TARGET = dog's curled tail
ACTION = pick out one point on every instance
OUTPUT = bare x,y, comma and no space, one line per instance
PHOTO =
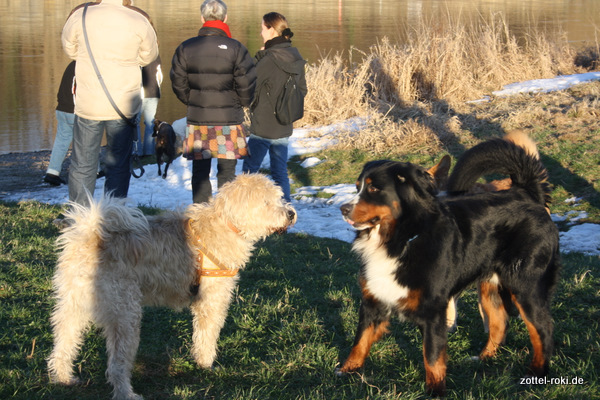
96,223
502,156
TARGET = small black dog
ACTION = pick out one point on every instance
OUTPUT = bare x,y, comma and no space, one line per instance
165,144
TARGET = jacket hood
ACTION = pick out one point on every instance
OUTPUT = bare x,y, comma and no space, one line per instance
295,67
288,58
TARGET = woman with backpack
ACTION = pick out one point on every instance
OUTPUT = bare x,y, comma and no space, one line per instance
278,100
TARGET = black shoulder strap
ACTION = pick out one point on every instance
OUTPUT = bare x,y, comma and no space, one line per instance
130,121
89,49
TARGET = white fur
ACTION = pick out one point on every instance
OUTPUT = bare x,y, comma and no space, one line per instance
380,269
495,279
354,200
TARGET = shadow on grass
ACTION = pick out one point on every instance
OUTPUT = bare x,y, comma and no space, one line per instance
292,319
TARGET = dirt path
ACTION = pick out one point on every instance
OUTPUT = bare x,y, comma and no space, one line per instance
22,172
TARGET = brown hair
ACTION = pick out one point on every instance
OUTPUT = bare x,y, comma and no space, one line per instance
279,23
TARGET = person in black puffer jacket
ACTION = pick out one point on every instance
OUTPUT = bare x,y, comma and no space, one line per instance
274,63
215,77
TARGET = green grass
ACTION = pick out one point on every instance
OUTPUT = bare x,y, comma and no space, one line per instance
292,321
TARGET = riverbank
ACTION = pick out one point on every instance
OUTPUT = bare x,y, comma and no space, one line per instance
24,172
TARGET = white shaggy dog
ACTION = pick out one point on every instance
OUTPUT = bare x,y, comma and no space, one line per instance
114,260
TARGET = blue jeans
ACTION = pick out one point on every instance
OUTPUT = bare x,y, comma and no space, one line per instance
146,147
62,141
278,153
87,136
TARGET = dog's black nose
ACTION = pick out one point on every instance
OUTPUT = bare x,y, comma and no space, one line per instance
346,208
291,215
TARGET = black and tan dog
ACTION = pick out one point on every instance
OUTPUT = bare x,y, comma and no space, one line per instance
165,145
419,251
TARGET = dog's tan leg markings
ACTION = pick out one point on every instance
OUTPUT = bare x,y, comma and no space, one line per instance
361,349
538,364
451,314
209,311
496,317
435,372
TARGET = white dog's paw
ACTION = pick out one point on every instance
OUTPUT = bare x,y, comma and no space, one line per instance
205,359
205,364
66,381
127,396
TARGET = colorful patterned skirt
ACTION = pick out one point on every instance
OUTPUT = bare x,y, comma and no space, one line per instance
204,142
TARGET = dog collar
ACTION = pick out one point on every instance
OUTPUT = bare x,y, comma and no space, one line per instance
231,226
234,228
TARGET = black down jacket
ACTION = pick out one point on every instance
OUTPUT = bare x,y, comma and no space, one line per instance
269,84
214,76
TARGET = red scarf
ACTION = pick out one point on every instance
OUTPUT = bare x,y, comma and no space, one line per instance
219,25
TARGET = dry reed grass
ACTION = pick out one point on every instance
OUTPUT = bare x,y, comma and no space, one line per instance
457,62
408,92
382,134
563,110
336,91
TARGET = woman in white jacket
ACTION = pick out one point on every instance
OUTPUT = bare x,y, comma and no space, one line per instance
122,40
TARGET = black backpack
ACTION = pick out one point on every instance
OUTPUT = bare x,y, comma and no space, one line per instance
289,106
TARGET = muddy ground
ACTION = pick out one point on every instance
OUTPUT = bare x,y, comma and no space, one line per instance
22,172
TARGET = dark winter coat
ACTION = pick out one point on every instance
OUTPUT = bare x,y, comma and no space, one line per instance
151,79
66,90
269,84
214,76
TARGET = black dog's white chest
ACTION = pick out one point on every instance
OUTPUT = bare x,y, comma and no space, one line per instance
380,270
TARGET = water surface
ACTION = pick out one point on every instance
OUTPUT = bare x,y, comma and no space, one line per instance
32,60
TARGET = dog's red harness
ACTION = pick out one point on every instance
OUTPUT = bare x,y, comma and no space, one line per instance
207,264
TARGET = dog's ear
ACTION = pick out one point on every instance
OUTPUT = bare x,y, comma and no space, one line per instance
440,172
427,182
